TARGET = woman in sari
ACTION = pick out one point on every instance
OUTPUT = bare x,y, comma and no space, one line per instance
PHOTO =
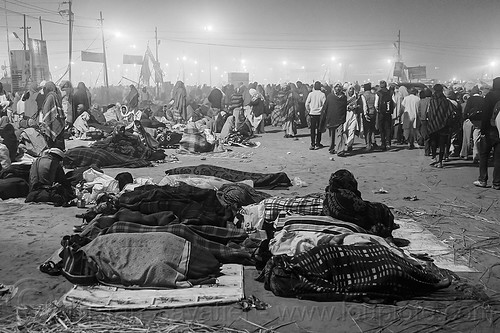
81,96
132,99
52,119
351,121
290,111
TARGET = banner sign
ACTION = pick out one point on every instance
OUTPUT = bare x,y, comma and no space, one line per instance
418,72
129,59
39,60
92,56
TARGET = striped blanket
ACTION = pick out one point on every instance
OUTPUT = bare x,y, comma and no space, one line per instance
311,204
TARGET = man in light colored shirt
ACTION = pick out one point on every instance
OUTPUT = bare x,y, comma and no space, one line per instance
314,104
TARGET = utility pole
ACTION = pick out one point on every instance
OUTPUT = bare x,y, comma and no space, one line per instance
104,56
41,30
70,37
157,83
399,45
25,28
7,26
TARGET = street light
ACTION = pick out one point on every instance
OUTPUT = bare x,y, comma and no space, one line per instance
15,35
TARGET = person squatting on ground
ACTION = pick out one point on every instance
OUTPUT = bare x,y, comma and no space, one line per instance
490,138
314,104
48,183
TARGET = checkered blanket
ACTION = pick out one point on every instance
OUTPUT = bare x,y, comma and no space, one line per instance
350,273
86,156
311,204
190,204
223,243
260,180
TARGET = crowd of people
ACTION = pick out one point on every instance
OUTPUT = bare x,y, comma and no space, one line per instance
444,121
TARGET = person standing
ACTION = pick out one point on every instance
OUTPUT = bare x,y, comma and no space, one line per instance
351,123
439,118
314,103
423,106
52,117
473,110
409,107
81,96
490,139
334,113
384,105
398,97
369,114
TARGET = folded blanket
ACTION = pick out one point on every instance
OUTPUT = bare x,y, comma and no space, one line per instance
261,180
311,204
86,156
153,260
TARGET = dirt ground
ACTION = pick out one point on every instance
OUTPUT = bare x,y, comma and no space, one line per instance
448,205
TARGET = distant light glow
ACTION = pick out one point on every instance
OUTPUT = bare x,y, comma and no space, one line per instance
493,63
333,58
216,68
184,58
118,34
208,27
284,62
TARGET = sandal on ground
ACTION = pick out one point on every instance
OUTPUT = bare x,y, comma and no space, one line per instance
51,268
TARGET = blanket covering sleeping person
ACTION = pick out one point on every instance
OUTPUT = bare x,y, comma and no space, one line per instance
190,204
361,272
87,156
150,260
260,180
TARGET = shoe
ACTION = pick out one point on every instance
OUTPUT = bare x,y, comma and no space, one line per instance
433,162
479,183
496,187
332,152
312,148
384,148
319,146
342,154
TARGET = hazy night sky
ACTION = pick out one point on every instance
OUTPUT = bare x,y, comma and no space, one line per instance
274,40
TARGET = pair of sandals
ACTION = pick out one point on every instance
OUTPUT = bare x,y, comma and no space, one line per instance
51,268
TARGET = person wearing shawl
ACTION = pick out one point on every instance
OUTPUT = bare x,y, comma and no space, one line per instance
438,124
81,126
303,92
67,101
343,201
52,117
333,117
351,123
179,96
30,106
369,115
398,97
409,107
132,99
290,110
81,96
256,113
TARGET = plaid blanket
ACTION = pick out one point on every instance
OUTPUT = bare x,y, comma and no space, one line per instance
260,180
350,273
195,141
311,204
223,243
326,224
85,156
190,204
150,260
